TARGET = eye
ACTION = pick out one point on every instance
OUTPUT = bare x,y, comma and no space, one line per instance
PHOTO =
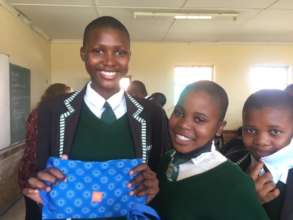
198,119
178,113
249,130
275,132
98,51
120,53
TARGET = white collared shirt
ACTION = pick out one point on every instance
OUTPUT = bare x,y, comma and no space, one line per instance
95,102
200,164
279,163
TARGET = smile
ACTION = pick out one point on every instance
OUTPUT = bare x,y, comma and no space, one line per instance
182,138
108,75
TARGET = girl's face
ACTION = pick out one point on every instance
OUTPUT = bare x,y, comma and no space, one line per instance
267,130
195,122
106,56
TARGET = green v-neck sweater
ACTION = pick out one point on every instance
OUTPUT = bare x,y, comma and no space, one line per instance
96,140
222,193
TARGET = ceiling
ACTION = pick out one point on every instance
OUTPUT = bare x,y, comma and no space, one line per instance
257,21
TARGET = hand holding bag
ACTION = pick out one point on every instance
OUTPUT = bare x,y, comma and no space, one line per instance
94,190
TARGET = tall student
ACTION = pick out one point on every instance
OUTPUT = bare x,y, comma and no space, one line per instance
267,135
196,181
102,122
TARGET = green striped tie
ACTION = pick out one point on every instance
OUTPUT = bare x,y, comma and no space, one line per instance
108,115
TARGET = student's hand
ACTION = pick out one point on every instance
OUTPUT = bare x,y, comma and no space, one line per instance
265,188
42,181
146,182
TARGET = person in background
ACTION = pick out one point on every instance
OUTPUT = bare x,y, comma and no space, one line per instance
158,98
235,150
27,166
196,181
137,89
101,122
289,89
267,135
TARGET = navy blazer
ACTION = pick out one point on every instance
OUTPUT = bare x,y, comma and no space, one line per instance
58,120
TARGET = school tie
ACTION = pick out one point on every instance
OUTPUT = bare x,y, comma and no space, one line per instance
108,115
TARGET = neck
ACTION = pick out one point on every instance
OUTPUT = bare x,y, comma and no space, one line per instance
205,148
106,94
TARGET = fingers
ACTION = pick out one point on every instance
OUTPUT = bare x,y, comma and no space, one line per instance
33,194
146,182
45,178
265,188
255,170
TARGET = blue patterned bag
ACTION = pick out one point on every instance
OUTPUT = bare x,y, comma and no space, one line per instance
94,190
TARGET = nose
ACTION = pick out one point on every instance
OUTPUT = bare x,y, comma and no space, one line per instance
261,139
184,123
109,59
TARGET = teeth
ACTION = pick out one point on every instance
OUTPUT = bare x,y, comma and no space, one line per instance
108,73
182,138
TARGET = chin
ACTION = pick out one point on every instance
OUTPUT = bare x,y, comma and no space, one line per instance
183,149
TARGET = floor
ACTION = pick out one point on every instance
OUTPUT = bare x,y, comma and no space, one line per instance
16,212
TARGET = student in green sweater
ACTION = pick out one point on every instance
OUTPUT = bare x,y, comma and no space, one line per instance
196,181
267,135
101,122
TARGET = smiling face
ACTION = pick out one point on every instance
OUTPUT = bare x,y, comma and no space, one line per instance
195,121
267,130
106,56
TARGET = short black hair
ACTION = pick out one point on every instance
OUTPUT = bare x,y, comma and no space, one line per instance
158,98
137,88
104,22
274,98
213,89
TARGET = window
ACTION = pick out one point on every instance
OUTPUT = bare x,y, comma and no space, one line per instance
269,77
186,75
124,82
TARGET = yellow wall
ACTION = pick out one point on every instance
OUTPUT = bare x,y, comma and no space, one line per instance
153,63
27,49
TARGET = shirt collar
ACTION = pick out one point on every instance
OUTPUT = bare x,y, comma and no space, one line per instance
96,102
279,163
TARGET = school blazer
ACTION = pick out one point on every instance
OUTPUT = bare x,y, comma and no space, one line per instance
58,121
287,209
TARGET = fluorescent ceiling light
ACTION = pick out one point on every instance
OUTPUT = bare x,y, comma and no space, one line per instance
194,15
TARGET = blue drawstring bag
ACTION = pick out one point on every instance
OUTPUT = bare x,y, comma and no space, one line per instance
94,190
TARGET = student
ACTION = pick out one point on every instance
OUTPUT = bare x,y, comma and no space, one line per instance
158,98
137,89
267,135
196,181
27,165
289,89
77,127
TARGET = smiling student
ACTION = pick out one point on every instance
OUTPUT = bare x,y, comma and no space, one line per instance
267,135
101,122
196,181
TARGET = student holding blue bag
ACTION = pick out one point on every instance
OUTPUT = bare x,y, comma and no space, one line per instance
100,123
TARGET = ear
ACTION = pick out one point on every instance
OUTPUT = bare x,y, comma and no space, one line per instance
82,53
221,127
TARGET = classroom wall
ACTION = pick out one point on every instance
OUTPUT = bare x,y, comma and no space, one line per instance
25,48
153,63
28,49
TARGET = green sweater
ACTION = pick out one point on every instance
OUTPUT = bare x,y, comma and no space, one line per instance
222,193
98,141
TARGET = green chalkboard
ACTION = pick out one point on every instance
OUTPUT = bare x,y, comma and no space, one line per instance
19,101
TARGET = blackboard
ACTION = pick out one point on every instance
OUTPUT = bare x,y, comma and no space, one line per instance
19,82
